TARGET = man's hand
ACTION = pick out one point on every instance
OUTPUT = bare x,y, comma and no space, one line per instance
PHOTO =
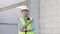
28,22
29,30
22,30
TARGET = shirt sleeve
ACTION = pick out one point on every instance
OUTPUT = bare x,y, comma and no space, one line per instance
19,24
33,26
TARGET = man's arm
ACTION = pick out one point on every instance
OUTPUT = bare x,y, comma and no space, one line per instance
33,26
20,26
23,26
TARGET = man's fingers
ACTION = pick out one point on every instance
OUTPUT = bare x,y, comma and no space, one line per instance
28,21
22,30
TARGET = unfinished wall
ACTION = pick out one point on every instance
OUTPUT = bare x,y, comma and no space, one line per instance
49,16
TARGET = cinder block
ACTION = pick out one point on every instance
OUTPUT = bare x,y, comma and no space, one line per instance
51,25
45,20
58,12
49,31
43,30
55,30
50,13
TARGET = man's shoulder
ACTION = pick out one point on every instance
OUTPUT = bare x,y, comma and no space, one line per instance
19,18
32,17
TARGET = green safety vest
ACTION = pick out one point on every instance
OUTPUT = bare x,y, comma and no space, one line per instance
22,21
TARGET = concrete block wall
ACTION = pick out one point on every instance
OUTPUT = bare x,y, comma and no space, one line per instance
47,17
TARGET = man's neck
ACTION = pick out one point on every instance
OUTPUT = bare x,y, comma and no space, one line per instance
25,16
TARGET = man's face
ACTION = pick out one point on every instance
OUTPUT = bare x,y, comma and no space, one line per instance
25,13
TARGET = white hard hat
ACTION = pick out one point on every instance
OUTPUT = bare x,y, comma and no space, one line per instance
24,8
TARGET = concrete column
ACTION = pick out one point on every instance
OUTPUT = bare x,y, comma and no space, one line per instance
34,6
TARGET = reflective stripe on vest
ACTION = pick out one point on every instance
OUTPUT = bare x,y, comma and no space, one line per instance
22,21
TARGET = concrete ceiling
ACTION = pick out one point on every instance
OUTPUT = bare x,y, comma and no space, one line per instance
4,3
9,4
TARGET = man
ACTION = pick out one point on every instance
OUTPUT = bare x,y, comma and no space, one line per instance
25,23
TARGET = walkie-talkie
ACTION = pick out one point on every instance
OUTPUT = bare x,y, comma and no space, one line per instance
26,26
28,18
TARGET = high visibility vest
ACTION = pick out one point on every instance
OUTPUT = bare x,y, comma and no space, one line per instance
22,21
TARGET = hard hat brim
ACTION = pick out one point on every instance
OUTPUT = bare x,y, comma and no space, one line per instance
25,10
